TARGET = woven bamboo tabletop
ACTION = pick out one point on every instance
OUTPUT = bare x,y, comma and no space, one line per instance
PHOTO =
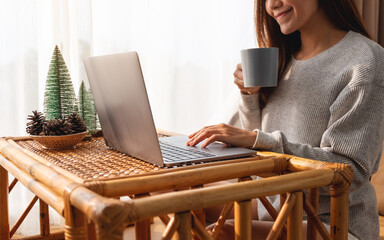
93,160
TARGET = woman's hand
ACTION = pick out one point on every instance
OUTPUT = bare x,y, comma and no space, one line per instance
224,133
238,74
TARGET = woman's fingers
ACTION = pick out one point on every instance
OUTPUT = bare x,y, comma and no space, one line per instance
247,90
198,132
238,73
210,133
224,133
203,134
193,138
239,67
211,139
239,83
193,134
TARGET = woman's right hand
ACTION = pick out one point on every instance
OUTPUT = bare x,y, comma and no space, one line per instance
238,74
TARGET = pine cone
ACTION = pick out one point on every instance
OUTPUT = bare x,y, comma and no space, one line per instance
35,126
56,127
76,123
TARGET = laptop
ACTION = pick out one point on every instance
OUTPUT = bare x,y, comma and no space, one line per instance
125,116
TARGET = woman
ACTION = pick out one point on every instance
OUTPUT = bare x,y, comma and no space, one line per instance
328,104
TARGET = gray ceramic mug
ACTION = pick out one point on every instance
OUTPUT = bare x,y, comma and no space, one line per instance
260,67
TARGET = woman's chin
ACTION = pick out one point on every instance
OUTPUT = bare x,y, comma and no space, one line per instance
287,30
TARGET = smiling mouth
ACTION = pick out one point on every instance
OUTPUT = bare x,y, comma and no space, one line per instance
282,14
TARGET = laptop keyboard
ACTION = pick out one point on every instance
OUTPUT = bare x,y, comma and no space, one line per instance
172,153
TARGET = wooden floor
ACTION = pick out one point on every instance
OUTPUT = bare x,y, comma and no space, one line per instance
157,228
53,230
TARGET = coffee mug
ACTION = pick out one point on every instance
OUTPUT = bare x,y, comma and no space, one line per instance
260,67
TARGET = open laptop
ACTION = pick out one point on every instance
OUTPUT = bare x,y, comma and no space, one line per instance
126,119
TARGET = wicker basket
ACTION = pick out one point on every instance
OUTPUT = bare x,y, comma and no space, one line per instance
60,142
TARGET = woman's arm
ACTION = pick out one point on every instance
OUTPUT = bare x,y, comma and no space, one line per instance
354,135
250,112
249,109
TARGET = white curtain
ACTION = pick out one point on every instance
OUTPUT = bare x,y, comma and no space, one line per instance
188,51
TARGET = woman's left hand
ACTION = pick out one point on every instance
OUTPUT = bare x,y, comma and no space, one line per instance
224,133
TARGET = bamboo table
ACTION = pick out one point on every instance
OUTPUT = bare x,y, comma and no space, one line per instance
83,185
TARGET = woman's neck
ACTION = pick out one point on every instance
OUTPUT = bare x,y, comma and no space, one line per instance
317,37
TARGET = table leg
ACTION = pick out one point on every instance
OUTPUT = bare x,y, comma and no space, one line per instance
75,223
339,215
91,228
4,217
313,195
243,220
283,235
143,227
199,213
185,226
44,218
295,219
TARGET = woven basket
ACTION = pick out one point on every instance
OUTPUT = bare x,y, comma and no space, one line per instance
60,142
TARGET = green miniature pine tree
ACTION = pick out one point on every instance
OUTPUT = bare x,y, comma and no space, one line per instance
59,97
95,116
86,110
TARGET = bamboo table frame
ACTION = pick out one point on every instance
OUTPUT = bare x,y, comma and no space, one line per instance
79,201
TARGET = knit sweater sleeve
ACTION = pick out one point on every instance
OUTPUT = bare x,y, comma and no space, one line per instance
250,112
355,129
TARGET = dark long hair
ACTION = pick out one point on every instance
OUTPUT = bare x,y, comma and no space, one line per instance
342,13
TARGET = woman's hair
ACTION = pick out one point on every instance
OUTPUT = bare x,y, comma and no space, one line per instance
342,13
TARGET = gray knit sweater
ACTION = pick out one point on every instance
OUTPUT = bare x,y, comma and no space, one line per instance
330,108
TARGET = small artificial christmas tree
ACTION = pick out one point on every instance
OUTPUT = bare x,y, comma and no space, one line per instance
96,116
87,108
59,97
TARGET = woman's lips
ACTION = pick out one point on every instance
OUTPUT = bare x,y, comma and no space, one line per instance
282,13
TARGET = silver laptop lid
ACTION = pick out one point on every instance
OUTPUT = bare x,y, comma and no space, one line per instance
121,100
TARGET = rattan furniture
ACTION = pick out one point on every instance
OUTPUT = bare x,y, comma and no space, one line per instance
84,185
